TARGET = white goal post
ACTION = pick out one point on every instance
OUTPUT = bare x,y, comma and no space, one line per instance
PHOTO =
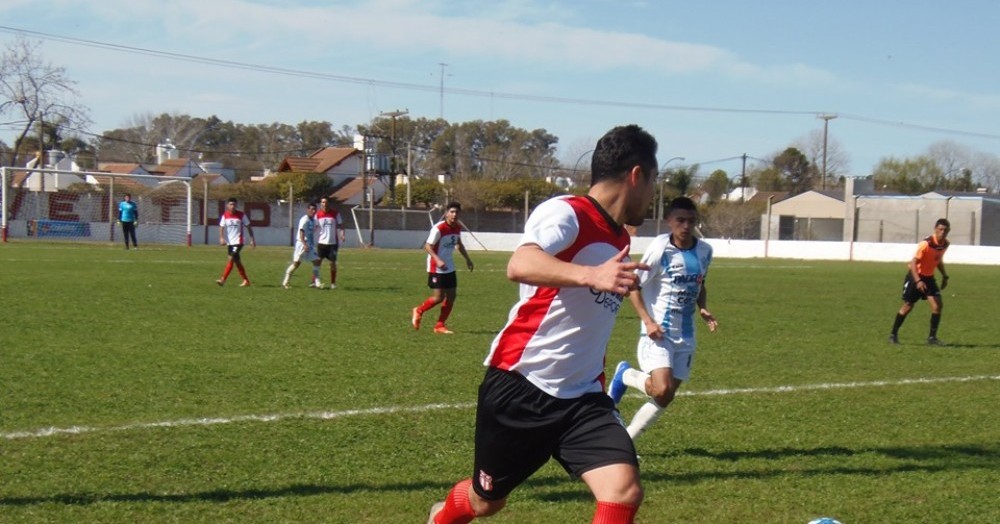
53,204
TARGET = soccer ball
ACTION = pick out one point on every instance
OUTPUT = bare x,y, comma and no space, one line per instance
824,520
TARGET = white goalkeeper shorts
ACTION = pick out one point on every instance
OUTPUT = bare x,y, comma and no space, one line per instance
664,353
303,253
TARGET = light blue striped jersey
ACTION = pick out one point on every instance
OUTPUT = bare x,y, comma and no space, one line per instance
671,286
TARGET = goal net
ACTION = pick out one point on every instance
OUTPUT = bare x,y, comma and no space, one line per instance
51,204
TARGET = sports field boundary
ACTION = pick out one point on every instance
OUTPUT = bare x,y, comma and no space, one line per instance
392,410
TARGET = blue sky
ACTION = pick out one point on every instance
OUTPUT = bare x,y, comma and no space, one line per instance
711,80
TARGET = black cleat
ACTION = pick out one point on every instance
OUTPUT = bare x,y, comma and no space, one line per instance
933,341
894,340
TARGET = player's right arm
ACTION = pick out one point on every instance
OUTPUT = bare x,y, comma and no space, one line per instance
915,275
653,329
531,265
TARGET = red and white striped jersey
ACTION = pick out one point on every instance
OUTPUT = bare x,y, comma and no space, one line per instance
557,337
443,240
234,224
327,223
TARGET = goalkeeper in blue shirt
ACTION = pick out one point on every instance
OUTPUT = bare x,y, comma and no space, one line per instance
128,214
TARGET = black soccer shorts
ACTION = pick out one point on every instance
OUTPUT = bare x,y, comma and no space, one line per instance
910,292
519,428
327,251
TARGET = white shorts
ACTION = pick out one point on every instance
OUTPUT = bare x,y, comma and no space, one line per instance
302,252
658,354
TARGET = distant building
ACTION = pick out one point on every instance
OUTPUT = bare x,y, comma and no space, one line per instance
861,214
37,181
343,166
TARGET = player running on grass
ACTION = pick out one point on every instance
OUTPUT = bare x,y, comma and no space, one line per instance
543,393
670,292
444,238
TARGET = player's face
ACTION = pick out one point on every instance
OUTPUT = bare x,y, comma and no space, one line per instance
322,204
640,196
681,223
451,216
230,206
311,211
941,232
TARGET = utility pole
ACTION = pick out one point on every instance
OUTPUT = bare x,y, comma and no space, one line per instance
392,145
743,180
826,124
443,65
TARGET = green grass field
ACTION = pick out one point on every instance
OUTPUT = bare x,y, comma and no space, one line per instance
132,389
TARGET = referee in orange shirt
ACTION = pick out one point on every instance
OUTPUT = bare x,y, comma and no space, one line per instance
920,284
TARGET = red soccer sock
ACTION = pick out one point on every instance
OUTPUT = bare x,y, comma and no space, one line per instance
229,269
243,272
457,509
429,303
614,513
445,312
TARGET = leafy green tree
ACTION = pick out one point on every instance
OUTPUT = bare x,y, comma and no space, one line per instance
716,185
909,176
305,186
426,191
795,168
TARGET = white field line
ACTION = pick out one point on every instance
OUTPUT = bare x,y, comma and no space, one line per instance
331,415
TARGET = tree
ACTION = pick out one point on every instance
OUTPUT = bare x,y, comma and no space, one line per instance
908,176
716,185
680,179
732,220
837,161
38,92
795,168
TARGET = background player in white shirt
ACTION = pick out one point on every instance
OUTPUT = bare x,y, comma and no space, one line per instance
329,235
305,247
669,294
232,226
543,394
445,237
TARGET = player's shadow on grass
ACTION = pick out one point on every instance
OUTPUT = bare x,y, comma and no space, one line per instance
222,496
958,345
926,459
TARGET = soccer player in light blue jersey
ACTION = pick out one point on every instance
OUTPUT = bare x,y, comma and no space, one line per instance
305,248
670,292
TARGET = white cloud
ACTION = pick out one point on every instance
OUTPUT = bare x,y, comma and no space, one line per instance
513,31
936,94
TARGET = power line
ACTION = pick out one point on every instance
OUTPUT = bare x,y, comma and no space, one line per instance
441,89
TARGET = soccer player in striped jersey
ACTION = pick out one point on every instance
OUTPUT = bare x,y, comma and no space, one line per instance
305,247
543,393
919,283
445,237
670,292
234,228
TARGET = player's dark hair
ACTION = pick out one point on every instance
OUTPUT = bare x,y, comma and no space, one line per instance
312,204
621,149
683,202
943,222
231,199
128,195
454,205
